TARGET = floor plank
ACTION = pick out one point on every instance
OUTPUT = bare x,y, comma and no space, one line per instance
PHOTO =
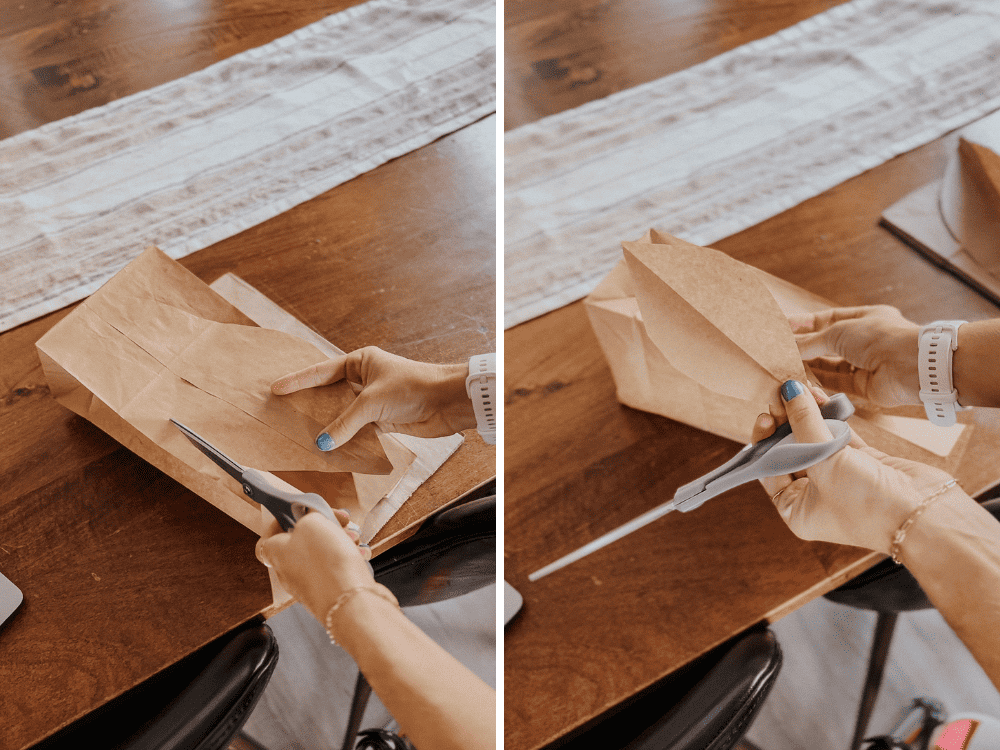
306,704
815,699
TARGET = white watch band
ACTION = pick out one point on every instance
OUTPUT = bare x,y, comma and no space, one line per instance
934,357
481,385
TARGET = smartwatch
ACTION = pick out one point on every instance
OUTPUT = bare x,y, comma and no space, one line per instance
937,342
481,385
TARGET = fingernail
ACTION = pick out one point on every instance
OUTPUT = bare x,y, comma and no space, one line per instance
790,389
325,443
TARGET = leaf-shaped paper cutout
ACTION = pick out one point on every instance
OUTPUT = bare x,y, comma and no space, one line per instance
713,317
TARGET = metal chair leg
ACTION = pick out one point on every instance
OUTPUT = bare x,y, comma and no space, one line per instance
884,627
362,692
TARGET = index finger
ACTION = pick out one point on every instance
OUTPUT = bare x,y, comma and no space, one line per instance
823,319
321,373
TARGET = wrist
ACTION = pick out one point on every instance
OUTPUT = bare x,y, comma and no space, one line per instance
354,611
942,517
461,415
905,345
974,364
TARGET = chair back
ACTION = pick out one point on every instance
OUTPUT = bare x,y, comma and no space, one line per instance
200,703
707,705
453,553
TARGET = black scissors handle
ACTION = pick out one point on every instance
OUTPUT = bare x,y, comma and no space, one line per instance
287,506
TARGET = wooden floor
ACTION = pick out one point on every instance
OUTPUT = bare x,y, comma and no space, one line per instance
306,703
815,699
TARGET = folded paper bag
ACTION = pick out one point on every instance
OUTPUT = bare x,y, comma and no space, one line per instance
156,343
696,336
689,333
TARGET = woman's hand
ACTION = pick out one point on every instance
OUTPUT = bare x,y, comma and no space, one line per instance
397,394
317,560
874,352
859,496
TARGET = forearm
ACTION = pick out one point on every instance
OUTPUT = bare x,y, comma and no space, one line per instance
437,701
976,364
953,550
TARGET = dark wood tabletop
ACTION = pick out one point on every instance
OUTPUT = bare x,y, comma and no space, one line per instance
598,632
123,570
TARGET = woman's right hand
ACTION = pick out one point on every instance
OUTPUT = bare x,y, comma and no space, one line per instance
862,351
317,560
859,496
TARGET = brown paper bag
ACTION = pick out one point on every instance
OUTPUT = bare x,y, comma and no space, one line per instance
155,343
696,336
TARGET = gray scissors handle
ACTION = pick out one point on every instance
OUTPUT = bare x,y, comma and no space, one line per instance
285,505
784,457
773,456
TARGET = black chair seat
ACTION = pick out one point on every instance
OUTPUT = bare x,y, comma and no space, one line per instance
200,703
709,705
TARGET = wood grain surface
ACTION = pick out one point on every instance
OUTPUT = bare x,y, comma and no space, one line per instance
599,631
123,570
564,53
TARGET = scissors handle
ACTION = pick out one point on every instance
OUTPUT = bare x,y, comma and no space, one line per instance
285,503
774,455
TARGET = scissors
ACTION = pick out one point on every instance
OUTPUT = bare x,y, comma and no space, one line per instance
285,503
773,456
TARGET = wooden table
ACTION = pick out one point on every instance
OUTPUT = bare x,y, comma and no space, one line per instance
601,630
123,570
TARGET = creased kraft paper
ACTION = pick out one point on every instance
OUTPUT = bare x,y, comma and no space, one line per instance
699,337
156,343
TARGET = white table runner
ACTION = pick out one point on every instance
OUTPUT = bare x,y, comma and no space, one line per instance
204,157
712,150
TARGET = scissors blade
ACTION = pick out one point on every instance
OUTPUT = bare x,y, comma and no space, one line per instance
731,474
227,464
604,540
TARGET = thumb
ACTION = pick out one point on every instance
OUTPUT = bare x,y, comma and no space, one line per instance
803,414
343,428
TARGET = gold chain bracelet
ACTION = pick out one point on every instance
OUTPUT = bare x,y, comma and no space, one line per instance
901,533
380,591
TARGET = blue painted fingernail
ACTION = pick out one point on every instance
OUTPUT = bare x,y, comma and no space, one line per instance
325,443
791,388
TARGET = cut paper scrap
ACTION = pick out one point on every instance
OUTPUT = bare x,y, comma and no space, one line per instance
701,307
938,440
